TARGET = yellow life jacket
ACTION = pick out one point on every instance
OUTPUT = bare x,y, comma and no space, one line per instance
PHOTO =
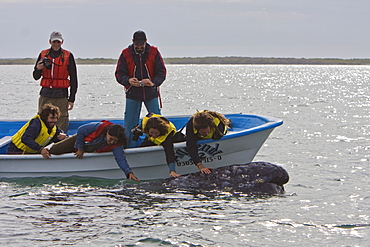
216,121
162,138
43,138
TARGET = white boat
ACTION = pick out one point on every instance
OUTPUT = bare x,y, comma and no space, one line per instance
239,146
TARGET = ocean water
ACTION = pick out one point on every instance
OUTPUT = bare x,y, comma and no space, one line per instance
323,144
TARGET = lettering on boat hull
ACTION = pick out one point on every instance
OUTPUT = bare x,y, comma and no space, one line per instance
208,152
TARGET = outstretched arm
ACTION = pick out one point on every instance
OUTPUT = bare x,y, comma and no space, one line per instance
121,160
170,155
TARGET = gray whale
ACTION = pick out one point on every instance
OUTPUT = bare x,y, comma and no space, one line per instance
257,178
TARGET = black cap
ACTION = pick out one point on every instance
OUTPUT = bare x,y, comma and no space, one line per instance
139,37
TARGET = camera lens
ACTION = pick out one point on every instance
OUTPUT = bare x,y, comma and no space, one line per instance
47,63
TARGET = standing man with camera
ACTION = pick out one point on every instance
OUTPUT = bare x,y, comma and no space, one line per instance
57,67
141,70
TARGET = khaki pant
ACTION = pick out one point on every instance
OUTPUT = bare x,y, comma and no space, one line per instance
62,103
65,146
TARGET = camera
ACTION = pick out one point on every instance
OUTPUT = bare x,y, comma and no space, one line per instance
141,84
47,62
136,133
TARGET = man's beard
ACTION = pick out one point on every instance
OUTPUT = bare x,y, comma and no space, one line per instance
139,50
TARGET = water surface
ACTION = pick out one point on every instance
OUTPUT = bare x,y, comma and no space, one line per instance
323,144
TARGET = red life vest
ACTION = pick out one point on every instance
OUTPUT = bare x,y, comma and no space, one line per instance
101,130
150,61
57,76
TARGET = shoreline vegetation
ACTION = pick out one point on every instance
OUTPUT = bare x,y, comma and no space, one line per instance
211,60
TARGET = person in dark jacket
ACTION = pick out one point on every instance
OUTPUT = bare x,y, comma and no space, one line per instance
141,70
37,133
57,69
204,125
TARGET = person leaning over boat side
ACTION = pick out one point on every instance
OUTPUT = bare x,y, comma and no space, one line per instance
204,125
37,133
98,137
160,131
57,67
141,70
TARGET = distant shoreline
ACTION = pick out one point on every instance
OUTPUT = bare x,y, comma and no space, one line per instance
211,60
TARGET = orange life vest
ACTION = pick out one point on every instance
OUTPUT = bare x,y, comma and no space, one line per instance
149,64
58,75
97,133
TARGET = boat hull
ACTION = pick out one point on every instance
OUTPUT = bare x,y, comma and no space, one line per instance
239,146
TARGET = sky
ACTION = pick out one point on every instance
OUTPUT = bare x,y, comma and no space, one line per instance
193,28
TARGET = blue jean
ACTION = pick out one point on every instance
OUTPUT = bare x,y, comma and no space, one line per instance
132,115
